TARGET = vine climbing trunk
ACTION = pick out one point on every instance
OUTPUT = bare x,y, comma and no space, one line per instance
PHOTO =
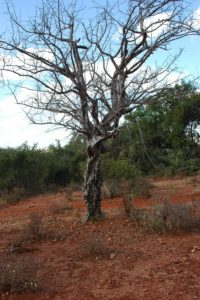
92,183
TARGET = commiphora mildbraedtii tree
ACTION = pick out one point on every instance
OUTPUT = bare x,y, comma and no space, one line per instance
84,70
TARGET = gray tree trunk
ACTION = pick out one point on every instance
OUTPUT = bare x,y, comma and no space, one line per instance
93,183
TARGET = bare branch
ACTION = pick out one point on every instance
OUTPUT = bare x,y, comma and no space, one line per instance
85,75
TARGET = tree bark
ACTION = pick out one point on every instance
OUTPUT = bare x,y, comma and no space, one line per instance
93,183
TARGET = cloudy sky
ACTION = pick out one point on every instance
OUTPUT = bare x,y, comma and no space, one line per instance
16,129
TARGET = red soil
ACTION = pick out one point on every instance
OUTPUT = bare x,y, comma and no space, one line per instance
136,265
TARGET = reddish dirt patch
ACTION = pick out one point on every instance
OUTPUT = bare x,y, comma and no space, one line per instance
135,265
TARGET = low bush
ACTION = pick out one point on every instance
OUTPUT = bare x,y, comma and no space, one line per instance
111,188
60,208
168,217
17,274
120,169
19,246
94,246
174,217
141,187
36,231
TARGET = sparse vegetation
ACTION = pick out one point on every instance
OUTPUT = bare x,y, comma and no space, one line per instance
138,186
77,214
60,207
166,217
174,217
141,187
102,250
111,189
94,246
18,246
17,274
33,231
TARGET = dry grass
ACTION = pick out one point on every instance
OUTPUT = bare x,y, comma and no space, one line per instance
139,186
167,217
194,181
34,231
60,207
17,275
111,189
93,246
174,217
19,246
70,190
115,188
77,215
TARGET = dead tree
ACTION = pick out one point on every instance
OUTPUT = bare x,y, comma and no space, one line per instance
85,75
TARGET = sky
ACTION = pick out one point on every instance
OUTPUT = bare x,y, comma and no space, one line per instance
15,128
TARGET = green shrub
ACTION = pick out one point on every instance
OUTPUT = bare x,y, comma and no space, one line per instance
22,168
58,169
117,169
32,170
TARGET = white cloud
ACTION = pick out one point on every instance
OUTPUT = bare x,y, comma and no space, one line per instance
154,26
17,62
197,18
15,128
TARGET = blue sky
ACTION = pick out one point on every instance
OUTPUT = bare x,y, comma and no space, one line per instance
14,126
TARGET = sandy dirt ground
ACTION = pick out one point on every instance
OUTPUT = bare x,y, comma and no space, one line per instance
128,265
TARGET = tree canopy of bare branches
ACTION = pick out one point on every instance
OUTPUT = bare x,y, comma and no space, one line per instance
84,75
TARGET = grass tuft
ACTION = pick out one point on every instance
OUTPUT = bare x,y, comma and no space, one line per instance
17,275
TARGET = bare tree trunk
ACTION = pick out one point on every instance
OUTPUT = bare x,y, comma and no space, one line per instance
93,183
